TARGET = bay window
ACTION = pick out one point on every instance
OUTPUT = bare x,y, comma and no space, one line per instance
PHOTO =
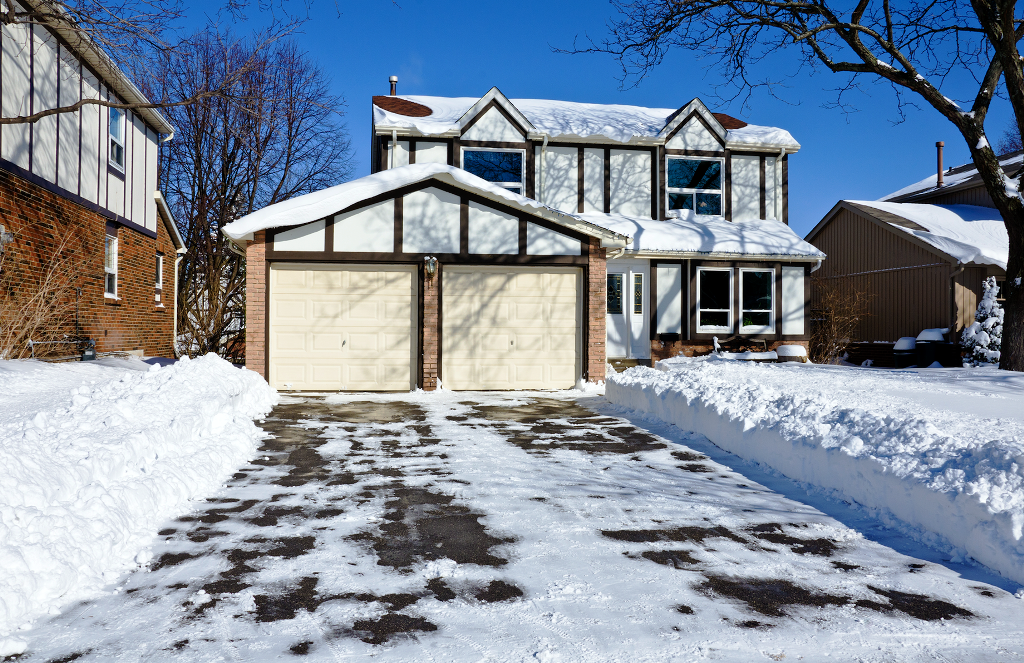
505,168
695,185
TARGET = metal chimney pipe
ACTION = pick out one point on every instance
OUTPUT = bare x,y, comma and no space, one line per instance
394,85
938,153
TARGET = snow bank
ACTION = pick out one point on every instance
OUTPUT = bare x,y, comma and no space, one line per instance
906,444
89,475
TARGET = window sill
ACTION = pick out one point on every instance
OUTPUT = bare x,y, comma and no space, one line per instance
111,300
160,307
119,173
713,330
757,331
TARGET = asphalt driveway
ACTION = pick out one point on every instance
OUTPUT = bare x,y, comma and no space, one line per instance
514,527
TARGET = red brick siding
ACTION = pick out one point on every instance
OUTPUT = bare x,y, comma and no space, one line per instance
431,331
596,312
40,219
256,305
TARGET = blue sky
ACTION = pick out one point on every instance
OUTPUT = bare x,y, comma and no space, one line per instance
462,48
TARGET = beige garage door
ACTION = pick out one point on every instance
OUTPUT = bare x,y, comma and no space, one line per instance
342,327
510,327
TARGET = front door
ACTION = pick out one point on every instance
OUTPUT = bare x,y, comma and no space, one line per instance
627,315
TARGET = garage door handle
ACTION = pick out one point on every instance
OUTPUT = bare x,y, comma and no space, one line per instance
343,343
511,342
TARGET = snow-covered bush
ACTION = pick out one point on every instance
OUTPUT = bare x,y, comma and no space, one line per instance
983,338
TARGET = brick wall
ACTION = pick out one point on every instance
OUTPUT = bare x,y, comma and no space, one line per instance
596,312
41,220
430,331
256,304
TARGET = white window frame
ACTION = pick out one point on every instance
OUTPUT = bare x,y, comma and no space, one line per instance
521,184
110,248
117,140
752,329
670,190
703,329
159,285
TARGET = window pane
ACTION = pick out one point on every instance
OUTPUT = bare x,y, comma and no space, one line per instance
714,290
515,189
116,153
494,166
109,253
680,201
756,319
693,174
714,319
638,294
757,291
709,203
116,123
111,284
615,294
159,270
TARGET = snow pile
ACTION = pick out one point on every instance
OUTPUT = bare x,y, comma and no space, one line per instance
913,447
983,338
967,232
707,235
90,475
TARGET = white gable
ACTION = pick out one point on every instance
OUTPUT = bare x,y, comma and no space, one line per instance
370,229
310,237
492,126
430,222
543,242
694,136
491,231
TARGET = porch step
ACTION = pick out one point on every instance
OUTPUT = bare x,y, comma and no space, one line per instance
622,364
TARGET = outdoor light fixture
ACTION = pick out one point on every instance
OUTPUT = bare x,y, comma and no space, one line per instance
430,264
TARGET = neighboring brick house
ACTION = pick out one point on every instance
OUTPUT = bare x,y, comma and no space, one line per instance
519,244
86,181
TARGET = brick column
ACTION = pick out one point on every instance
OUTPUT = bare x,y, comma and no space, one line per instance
597,282
431,318
256,310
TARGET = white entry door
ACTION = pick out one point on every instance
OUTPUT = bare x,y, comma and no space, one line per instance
627,323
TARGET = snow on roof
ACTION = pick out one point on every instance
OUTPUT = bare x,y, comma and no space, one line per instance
330,201
954,177
966,232
705,235
569,118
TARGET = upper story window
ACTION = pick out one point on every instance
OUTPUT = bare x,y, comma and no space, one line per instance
695,185
506,168
117,138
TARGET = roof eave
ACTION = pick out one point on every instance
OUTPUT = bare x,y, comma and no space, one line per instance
723,255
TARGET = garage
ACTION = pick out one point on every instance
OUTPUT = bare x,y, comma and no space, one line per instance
342,327
511,327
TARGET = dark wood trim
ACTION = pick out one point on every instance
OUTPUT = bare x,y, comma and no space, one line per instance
455,153
580,203
693,153
483,144
654,183
420,294
81,124
762,191
2,88
329,234
727,193
105,149
341,257
522,237
584,310
663,183
607,180
464,226
439,332
78,200
267,345
399,240
56,147
777,304
530,186
700,118
785,190
493,103
31,94
111,170
412,151
129,182
753,153
652,304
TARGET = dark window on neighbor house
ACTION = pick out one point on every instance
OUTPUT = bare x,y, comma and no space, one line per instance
638,294
615,294
696,185
714,299
117,138
1001,294
501,167
110,266
757,315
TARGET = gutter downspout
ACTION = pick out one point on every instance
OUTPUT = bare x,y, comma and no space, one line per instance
394,147
617,254
816,267
543,151
778,186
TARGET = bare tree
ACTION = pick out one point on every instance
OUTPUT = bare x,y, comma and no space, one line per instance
837,308
920,48
139,31
278,134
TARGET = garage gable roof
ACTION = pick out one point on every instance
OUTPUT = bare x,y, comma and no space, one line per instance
328,202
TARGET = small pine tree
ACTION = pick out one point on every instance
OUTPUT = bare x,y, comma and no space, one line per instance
983,338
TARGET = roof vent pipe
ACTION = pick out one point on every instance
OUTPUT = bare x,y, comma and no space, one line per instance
938,154
394,85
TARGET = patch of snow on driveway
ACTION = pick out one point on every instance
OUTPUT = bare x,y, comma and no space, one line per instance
96,456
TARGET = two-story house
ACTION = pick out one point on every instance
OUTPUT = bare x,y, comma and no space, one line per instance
921,253
86,182
511,244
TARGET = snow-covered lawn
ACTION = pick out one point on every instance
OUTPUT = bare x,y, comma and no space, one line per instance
525,527
941,450
95,455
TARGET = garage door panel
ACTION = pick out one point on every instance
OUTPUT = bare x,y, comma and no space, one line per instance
342,328
507,327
